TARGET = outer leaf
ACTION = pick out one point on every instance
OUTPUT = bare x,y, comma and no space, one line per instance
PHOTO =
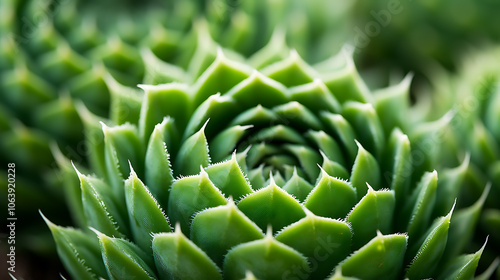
190,195
164,100
381,258
267,259
218,229
101,209
124,260
145,215
373,212
176,257
78,252
427,258
159,176
325,242
462,267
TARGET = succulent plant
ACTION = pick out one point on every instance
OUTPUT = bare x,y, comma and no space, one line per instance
472,95
57,53
292,171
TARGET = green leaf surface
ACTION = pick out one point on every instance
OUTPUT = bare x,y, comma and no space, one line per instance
381,258
218,229
177,257
145,215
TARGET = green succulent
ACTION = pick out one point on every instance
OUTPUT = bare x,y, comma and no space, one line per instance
472,96
56,53
292,171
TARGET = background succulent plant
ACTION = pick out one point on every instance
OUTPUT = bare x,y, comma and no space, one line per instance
289,171
471,96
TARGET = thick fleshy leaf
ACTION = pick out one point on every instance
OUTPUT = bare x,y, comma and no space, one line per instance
221,76
171,100
256,116
192,154
278,133
271,206
177,257
125,102
327,145
374,212
267,258
226,141
218,229
397,165
420,206
258,89
381,258
337,275
308,159
101,208
297,116
449,187
298,186
124,259
340,128
145,215
364,171
462,267
315,96
159,176
324,241
346,84
431,249
78,251
229,179
292,71
365,121
331,197
392,105
191,194
463,225
122,145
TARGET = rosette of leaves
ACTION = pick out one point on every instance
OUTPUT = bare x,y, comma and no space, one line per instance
281,173
472,96
56,53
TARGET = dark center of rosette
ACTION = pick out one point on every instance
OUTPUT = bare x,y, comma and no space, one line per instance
286,140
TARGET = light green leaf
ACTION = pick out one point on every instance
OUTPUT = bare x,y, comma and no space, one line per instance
381,258
78,251
431,249
267,258
177,257
271,205
191,194
292,71
218,229
324,241
374,212
331,197
229,179
171,100
124,260
192,154
315,96
145,215
297,186
226,141
340,128
159,176
298,116
364,171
